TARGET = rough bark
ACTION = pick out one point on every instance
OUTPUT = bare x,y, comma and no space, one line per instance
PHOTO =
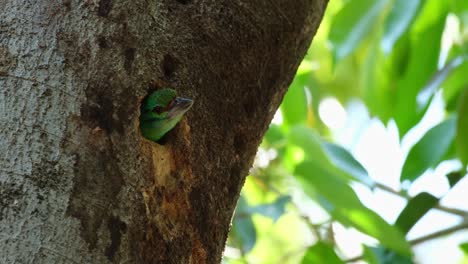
78,183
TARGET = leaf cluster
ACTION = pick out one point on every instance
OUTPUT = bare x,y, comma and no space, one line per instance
400,59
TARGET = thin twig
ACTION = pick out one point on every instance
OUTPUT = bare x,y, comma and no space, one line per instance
440,233
437,234
439,207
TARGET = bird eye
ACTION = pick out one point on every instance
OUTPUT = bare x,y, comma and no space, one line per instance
158,109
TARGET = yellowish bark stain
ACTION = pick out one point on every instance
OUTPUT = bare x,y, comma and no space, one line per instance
166,197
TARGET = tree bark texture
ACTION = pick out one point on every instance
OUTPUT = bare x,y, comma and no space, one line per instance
78,182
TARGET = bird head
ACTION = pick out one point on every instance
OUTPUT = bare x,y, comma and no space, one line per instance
164,103
161,111
178,107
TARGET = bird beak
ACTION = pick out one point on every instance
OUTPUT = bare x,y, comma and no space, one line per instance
180,106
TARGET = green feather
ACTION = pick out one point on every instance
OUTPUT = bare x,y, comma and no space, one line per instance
160,112
155,129
159,98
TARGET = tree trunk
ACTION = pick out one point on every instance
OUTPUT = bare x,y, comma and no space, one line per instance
78,182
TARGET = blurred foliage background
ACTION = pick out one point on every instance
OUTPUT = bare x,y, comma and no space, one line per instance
366,158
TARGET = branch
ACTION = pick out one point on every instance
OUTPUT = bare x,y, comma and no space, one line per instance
443,232
437,234
439,207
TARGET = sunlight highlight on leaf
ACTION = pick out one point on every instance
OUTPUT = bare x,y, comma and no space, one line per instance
332,113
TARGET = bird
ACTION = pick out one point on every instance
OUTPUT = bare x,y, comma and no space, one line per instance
161,111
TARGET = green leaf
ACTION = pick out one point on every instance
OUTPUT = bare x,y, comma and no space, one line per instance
351,25
380,255
464,247
416,208
321,253
274,136
430,150
432,12
339,199
243,229
345,161
422,62
461,140
377,79
428,91
398,21
454,177
272,210
294,105
454,85
306,139
459,6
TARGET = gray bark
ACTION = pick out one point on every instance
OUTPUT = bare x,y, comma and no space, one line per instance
78,183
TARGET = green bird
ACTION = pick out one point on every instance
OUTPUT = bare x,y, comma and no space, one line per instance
161,111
